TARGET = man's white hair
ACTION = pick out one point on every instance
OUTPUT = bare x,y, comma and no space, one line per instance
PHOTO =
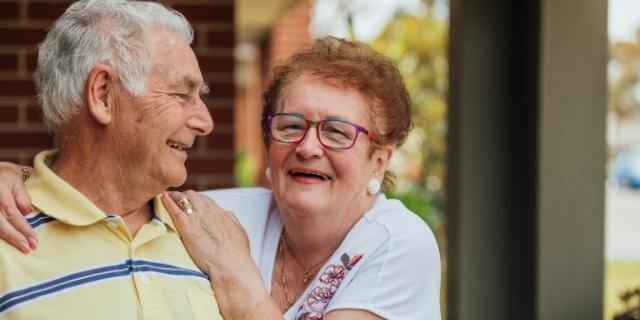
90,32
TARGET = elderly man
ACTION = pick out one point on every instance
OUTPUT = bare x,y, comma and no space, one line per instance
120,88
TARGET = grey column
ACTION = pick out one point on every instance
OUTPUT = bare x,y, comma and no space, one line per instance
526,164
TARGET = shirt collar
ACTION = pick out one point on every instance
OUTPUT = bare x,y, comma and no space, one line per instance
162,214
58,199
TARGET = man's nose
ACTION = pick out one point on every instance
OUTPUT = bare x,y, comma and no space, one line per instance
200,121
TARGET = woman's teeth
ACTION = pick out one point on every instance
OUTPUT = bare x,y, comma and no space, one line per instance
310,174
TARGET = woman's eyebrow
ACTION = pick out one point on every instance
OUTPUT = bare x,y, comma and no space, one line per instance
336,118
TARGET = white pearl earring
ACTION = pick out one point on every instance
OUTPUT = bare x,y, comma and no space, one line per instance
374,186
267,173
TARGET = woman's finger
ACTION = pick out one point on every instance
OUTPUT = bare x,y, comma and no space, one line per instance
20,224
12,236
22,198
23,203
14,222
180,218
15,202
196,201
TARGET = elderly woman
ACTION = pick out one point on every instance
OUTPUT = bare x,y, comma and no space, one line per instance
324,243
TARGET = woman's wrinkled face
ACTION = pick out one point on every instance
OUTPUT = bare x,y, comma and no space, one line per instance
308,178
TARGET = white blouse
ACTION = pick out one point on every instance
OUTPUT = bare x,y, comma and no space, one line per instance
388,264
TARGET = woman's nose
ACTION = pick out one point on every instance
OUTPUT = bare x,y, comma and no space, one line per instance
310,146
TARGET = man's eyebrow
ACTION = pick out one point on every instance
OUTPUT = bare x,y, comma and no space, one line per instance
205,89
192,84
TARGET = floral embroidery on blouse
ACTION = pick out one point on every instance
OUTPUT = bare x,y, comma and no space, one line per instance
319,297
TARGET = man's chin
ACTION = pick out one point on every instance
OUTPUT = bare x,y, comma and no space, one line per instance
176,180
179,182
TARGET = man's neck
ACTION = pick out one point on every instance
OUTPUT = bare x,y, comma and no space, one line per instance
107,184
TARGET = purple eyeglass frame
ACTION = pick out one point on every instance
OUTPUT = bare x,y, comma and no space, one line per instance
311,123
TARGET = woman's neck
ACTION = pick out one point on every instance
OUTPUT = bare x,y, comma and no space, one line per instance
314,236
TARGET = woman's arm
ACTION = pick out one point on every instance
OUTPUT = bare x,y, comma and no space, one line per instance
219,246
350,314
14,203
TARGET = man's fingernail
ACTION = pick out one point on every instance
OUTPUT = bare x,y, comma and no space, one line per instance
33,243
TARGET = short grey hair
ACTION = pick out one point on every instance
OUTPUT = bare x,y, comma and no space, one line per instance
90,32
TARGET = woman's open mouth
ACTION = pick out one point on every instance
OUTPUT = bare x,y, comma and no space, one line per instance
307,174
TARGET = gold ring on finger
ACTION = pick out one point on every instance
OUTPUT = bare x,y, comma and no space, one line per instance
185,205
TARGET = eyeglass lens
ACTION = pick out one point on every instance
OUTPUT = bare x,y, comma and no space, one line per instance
332,133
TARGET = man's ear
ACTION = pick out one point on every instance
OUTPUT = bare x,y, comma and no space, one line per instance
100,85
381,158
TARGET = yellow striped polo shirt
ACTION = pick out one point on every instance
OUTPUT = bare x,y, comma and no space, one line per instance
88,266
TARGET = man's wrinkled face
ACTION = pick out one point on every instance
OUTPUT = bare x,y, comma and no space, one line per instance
155,130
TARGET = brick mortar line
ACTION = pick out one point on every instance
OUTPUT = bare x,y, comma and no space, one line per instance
222,103
194,177
24,23
16,153
219,154
201,31
200,2
222,128
46,1
22,13
220,77
4,48
218,52
12,101
27,128
15,76
210,155
22,63
22,115
213,26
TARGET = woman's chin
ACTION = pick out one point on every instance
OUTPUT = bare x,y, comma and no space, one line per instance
304,203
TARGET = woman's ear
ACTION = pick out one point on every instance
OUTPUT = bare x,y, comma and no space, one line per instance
381,157
99,85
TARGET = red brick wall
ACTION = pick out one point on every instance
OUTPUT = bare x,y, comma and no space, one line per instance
288,34
23,24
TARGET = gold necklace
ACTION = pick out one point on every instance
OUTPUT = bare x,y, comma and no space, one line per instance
283,279
307,271
284,276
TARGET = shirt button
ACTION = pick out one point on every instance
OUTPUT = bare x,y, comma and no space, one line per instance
144,279
112,225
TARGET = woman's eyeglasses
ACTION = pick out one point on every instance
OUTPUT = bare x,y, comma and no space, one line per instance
334,134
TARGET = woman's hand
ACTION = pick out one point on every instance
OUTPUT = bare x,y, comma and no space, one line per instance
14,203
210,233
219,246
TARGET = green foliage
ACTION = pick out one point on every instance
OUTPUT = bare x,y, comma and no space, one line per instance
624,78
424,205
245,170
620,276
418,44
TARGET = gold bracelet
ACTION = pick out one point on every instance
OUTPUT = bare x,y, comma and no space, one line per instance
25,172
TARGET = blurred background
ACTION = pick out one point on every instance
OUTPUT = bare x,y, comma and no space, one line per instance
524,160
622,224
